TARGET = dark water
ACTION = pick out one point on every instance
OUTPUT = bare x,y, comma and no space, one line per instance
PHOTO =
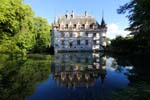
67,76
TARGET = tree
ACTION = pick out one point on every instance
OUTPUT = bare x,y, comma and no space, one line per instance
10,10
42,36
20,29
25,36
139,17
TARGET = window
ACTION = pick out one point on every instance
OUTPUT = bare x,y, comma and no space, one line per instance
78,42
95,42
86,59
66,25
75,25
95,27
87,42
78,34
70,44
86,34
70,34
91,26
83,26
94,35
62,35
62,42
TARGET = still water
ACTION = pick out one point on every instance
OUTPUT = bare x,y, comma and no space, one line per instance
63,76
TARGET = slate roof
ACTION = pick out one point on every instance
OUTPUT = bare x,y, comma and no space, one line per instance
76,20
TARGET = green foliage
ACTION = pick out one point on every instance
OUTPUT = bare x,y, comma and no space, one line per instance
139,17
9,46
9,11
20,29
140,91
120,44
138,76
19,77
42,36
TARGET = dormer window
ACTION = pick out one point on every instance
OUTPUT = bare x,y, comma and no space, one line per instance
74,25
91,26
83,26
66,25
95,27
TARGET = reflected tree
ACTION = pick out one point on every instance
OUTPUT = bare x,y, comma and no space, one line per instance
18,77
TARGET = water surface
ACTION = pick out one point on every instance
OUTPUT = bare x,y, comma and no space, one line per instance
81,76
66,76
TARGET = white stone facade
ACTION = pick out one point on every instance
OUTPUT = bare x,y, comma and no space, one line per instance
75,33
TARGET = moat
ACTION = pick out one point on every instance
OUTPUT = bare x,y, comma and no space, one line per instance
65,76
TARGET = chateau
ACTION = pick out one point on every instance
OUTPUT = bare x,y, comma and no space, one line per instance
72,32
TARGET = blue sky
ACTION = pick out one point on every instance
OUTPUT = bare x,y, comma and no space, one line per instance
115,22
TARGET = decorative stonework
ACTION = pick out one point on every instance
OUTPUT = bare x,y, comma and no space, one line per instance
73,32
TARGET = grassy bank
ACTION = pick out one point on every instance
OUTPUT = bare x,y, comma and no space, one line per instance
138,91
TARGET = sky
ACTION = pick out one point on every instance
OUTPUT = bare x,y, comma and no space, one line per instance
116,23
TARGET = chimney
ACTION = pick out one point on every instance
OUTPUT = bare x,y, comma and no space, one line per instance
67,14
86,13
72,15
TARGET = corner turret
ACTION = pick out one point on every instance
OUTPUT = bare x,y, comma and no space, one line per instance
103,24
103,27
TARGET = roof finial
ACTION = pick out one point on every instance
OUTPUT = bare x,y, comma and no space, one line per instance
55,19
86,13
102,13
103,24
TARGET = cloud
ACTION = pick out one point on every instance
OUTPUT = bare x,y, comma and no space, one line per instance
114,30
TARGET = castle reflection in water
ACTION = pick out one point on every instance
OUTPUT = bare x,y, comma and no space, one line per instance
78,69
